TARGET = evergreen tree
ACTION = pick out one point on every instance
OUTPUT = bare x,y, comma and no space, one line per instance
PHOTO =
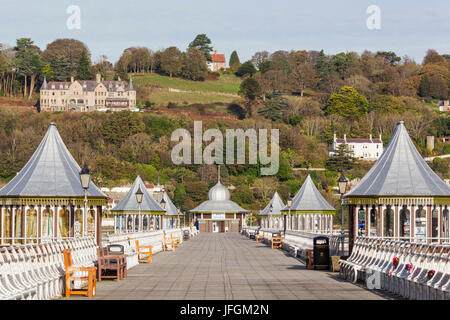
247,68
203,43
425,86
234,61
342,159
348,103
84,68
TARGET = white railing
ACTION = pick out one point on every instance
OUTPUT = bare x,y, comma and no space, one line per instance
372,261
37,271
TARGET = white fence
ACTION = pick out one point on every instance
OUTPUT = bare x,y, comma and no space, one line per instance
420,271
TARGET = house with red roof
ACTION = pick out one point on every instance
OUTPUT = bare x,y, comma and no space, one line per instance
217,61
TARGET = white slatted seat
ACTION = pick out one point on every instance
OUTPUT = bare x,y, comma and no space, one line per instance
402,272
16,277
29,275
49,271
7,290
39,272
421,276
439,265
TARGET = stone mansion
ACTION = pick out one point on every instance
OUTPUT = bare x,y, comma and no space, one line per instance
87,95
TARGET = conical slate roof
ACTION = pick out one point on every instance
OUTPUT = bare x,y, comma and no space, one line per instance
129,202
171,209
277,205
50,172
308,198
400,171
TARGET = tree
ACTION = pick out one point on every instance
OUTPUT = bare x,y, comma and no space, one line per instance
171,61
70,49
247,68
234,62
84,67
194,65
381,103
341,160
275,107
28,63
203,43
433,57
260,58
348,103
389,56
302,72
250,90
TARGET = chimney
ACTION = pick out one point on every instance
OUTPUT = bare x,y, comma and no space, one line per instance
345,138
370,138
71,79
98,77
215,51
118,78
380,137
334,137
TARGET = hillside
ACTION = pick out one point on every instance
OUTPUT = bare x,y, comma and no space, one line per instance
162,89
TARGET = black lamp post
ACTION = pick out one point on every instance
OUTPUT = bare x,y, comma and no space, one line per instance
342,183
85,179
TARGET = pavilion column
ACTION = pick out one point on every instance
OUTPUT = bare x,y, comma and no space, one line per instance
99,226
367,222
380,221
126,223
351,227
1,224
11,224
396,221
412,223
55,222
429,227
441,224
39,223
72,220
22,226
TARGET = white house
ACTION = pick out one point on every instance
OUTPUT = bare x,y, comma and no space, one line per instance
367,149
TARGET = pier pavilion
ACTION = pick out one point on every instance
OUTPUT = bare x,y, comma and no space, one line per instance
309,210
400,196
137,211
172,215
271,216
219,213
46,201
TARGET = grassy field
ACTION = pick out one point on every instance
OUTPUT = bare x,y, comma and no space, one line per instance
227,83
163,97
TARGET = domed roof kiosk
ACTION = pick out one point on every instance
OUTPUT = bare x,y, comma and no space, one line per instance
400,196
219,213
45,200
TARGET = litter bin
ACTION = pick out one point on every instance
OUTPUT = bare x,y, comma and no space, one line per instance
186,235
321,252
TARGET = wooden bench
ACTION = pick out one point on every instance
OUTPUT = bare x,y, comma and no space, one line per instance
176,240
277,243
168,244
145,251
259,237
70,276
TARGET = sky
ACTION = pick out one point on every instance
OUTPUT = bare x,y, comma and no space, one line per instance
107,27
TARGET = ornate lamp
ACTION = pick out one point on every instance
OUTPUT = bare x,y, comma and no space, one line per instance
85,180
